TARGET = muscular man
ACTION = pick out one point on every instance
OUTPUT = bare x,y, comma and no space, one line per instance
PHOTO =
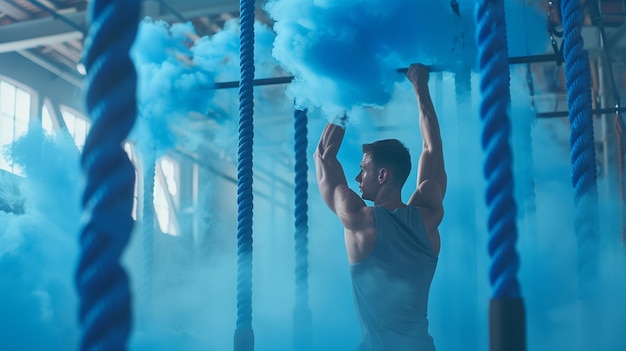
392,246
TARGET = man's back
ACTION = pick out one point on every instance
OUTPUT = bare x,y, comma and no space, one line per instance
391,285
396,254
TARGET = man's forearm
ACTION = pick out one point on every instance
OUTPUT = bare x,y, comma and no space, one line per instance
328,170
330,141
429,124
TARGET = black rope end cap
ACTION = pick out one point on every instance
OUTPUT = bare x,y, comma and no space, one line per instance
507,325
244,339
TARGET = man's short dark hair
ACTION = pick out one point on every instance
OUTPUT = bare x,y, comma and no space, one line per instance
391,154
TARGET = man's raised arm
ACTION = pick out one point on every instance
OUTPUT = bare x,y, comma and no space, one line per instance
432,178
331,179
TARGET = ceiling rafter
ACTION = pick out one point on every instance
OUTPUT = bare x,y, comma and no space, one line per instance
9,9
44,31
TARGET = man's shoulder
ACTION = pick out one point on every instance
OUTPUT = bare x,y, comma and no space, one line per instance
362,219
367,213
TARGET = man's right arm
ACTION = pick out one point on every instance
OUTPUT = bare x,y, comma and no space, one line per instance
331,179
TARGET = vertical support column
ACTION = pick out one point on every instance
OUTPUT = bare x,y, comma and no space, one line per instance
463,198
523,168
611,134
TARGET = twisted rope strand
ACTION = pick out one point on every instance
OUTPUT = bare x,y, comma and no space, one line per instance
507,329
582,147
302,313
107,201
494,86
301,210
243,335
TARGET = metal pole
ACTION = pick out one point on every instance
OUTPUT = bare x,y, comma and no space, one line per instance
598,111
55,14
516,60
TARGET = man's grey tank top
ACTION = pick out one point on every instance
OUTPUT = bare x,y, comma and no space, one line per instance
391,285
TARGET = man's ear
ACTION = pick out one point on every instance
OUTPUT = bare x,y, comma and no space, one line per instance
382,175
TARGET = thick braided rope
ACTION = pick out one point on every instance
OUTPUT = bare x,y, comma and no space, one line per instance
302,314
244,170
494,87
582,148
107,201
147,230
301,210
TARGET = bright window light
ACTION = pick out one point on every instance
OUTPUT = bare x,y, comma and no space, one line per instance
46,120
14,118
77,126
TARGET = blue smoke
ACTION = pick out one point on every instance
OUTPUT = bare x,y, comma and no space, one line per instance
344,53
38,248
177,70
194,300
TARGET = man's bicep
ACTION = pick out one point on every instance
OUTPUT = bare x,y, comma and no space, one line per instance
348,206
429,198
431,167
333,186
429,194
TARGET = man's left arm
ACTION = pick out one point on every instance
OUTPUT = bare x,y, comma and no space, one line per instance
431,177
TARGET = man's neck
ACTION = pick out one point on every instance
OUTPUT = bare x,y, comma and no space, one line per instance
390,202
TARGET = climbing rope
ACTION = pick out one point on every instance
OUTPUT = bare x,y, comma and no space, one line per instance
582,147
494,86
244,335
507,325
107,201
302,313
